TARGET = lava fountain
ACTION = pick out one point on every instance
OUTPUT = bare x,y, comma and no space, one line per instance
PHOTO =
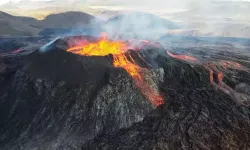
118,49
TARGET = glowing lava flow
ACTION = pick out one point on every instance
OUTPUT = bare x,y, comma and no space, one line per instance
182,57
216,69
105,47
17,51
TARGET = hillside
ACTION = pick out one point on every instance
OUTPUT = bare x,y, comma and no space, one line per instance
57,100
14,26
26,26
68,20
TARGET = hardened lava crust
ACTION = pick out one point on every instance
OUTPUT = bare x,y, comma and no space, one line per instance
56,99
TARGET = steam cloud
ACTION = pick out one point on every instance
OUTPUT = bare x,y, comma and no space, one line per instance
138,25
202,18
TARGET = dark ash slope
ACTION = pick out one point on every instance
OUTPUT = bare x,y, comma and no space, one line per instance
196,116
58,100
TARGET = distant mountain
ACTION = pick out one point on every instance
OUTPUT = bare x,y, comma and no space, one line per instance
139,25
108,14
70,23
144,18
14,26
26,26
69,19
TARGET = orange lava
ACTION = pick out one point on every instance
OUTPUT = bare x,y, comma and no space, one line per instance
17,51
221,66
211,78
216,70
220,76
229,64
117,49
101,48
182,57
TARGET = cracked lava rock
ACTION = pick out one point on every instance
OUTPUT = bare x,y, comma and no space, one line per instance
60,100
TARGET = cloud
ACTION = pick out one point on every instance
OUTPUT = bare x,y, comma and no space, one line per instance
16,1
148,3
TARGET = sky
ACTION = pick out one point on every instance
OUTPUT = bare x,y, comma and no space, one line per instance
124,2
5,1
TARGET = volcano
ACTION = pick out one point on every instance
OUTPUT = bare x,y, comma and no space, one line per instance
70,96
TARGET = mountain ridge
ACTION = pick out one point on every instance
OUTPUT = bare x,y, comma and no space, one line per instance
18,25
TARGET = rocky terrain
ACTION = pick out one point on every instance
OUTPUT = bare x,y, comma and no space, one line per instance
197,61
66,104
196,116
58,100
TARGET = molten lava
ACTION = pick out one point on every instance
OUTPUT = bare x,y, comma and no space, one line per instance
182,57
216,69
101,48
17,51
117,49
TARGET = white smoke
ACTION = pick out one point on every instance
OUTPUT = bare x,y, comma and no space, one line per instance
45,47
153,20
138,25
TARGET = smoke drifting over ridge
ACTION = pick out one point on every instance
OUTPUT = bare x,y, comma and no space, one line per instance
207,18
195,18
127,25
138,25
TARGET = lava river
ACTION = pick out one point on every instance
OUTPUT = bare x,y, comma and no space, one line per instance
105,47
217,68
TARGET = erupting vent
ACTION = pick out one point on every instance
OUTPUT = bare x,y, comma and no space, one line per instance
118,49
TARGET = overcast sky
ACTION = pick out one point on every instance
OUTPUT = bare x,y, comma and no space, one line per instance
5,1
124,2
